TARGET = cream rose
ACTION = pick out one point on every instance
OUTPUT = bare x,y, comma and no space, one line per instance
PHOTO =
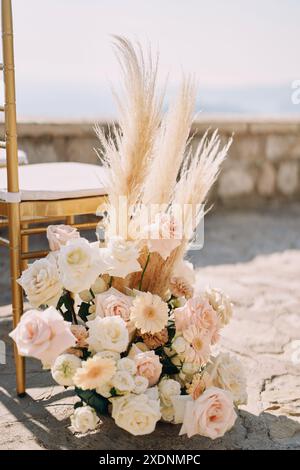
168,388
140,384
79,265
41,282
105,389
228,373
59,235
123,382
43,335
109,333
84,419
127,364
137,414
148,365
64,369
211,415
121,257
167,413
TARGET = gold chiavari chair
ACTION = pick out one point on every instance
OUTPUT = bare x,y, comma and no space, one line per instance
58,192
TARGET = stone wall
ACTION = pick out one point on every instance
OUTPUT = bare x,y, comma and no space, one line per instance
263,163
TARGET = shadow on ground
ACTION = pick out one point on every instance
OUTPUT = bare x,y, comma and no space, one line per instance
33,425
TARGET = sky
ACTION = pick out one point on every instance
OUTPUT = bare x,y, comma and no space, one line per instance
241,51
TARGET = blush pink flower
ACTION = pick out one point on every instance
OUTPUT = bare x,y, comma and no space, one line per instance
148,366
197,350
59,235
199,313
211,415
43,335
112,302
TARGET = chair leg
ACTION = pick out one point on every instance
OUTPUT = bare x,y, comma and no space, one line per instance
17,294
24,247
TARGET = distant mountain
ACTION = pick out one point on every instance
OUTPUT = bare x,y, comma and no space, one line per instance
261,100
50,101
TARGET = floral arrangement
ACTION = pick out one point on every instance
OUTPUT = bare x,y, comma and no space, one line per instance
120,321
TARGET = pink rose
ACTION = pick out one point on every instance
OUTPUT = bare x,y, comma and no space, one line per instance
163,236
211,415
112,302
199,313
43,335
149,366
59,235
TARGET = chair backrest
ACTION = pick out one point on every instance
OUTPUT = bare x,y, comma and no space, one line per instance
9,108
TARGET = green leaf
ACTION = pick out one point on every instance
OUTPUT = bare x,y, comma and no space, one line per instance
113,392
83,311
78,404
167,365
93,399
66,301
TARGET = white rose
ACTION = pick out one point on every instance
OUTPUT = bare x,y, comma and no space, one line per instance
137,414
140,384
188,368
167,388
41,282
104,389
179,345
152,393
79,265
227,372
115,356
123,382
84,419
127,364
220,303
109,333
167,413
121,257
64,368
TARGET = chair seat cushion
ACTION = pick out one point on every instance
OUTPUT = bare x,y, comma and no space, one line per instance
62,180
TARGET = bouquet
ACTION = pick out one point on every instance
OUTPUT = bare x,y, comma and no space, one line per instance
119,320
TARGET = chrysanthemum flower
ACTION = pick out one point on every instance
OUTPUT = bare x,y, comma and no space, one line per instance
94,373
149,313
198,350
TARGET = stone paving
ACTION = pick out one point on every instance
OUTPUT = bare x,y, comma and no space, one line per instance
255,258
